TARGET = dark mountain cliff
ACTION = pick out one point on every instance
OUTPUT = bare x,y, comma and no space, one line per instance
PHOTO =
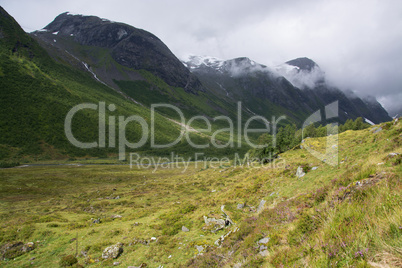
128,46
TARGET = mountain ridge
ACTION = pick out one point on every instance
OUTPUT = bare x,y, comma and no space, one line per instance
129,46
119,39
310,90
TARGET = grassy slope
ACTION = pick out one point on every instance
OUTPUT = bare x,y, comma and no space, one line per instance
320,220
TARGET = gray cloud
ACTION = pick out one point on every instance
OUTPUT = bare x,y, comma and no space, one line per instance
357,43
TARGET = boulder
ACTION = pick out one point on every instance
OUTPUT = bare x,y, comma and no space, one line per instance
264,241
392,155
261,206
218,224
300,173
240,206
28,247
112,252
200,249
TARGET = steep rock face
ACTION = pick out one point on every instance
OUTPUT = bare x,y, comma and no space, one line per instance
130,47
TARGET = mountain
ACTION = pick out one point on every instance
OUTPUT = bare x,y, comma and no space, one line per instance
126,45
85,59
138,64
296,88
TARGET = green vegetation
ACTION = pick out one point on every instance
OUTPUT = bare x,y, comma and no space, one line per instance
343,216
68,260
289,136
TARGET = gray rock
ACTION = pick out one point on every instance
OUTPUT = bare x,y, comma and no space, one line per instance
377,130
199,248
261,206
314,168
264,253
218,223
264,240
116,263
240,206
113,252
300,173
263,247
185,229
392,155
28,247
116,216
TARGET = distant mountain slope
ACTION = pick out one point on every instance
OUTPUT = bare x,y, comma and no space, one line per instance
296,88
306,74
262,91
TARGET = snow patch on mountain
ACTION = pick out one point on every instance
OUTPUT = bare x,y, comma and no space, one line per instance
369,121
244,65
195,62
74,14
234,67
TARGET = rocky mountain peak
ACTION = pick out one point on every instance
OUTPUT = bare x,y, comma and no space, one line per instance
304,64
302,73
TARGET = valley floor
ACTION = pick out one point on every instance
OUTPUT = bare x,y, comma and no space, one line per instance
348,215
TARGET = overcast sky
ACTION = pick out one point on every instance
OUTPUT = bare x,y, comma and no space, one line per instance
357,43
